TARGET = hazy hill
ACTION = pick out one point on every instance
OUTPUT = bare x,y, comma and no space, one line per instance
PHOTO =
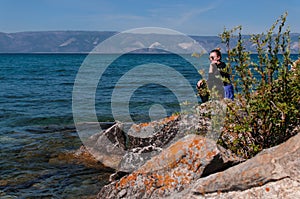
51,41
85,41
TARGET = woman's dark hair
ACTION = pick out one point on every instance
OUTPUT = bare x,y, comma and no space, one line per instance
218,52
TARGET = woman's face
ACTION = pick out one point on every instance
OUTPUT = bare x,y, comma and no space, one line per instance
213,57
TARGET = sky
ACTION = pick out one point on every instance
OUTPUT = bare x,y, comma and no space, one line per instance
192,17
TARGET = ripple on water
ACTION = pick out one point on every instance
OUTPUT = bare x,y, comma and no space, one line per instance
28,169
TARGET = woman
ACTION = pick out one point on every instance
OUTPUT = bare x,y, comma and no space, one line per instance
219,68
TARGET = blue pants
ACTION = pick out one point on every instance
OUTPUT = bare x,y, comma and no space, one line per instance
229,93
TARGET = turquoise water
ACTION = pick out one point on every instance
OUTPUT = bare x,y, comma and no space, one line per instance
36,120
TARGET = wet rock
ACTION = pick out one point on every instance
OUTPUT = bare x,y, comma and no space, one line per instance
108,147
79,157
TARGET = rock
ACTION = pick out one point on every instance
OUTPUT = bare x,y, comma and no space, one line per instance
276,163
285,188
193,166
273,173
174,169
80,157
125,152
125,146
108,146
126,149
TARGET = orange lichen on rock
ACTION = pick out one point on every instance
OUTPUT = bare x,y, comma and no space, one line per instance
195,142
185,180
167,159
149,183
127,180
160,181
169,181
210,154
122,182
168,119
144,124
138,127
173,169
177,173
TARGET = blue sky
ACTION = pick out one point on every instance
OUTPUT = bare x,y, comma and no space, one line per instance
193,17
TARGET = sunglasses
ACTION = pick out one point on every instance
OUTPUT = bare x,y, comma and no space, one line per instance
211,57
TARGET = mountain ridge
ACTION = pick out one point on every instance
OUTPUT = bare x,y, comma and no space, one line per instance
85,41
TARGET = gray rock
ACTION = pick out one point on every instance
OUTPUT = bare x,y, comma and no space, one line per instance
174,169
285,188
276,163
180,171
273,173
126,147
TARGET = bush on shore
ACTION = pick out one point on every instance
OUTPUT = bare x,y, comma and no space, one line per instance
266,109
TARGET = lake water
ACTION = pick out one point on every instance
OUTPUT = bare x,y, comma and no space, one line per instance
36,115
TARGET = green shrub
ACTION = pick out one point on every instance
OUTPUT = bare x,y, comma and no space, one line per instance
266,110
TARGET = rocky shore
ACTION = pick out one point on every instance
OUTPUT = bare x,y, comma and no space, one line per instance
176,157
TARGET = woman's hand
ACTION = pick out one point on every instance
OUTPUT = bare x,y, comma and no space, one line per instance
200,82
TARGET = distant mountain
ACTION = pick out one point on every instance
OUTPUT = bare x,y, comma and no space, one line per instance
86,41
211,42
51,41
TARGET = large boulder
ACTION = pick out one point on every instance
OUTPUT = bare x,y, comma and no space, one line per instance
126,150
173,170
274,164
273,173
125,147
